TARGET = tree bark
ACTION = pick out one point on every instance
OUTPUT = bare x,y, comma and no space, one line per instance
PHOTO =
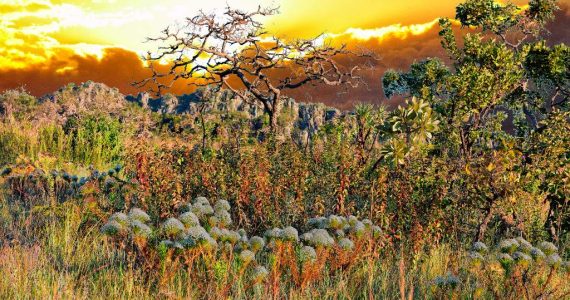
485,223
274,113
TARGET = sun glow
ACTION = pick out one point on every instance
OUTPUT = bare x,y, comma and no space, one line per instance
396,30
48,43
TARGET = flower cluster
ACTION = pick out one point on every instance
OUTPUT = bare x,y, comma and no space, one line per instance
517,252
134,224
448,281
206,227
79,181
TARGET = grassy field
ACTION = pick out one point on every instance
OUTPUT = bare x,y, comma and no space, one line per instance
462,192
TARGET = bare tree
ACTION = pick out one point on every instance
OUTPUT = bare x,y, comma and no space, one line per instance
234,51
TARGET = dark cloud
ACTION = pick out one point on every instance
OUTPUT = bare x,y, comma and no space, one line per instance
560,27
117,68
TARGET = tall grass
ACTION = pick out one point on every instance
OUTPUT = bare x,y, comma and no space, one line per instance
69,259
90,140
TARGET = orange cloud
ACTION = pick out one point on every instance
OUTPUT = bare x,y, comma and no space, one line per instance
40,55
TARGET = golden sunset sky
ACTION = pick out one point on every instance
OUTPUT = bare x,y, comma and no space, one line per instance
47,43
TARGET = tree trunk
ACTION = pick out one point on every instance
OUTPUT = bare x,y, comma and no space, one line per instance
484,224
274,114
272,121
551,221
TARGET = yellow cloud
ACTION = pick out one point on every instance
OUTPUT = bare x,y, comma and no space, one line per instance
396,30
33,31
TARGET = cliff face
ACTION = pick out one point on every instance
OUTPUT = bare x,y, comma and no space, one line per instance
91,97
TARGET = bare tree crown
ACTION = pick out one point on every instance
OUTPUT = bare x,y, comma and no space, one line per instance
234,51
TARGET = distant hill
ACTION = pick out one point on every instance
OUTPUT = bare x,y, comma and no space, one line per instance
91,97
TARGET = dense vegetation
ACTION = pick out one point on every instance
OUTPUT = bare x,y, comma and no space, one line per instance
462,192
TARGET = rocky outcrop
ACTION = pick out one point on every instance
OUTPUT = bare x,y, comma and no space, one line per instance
91,97
306,117
88,97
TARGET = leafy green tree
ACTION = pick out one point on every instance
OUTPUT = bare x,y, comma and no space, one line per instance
504,70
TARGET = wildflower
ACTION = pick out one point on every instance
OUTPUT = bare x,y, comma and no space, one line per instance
198,232
376,231
307,236
242,232
246,256
109,184
222,205
256,243
224,217
367,223
566,266
185,207
215,233
112,228
318,222
554,260
202,210
352,220
480,247
227,247
339,233
229,236
358,229
209,243
475,258
242,244
172,227
320,237
447,281
548,248
214,221
346,244
207,209
290,234
120,218
308,254
140,230
505,260
522,258
335,222
508,245
274,233
206,241
165,244
189,219
118,168
260,273
453,281
188,242
537,254
201,200
137,214
524,245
